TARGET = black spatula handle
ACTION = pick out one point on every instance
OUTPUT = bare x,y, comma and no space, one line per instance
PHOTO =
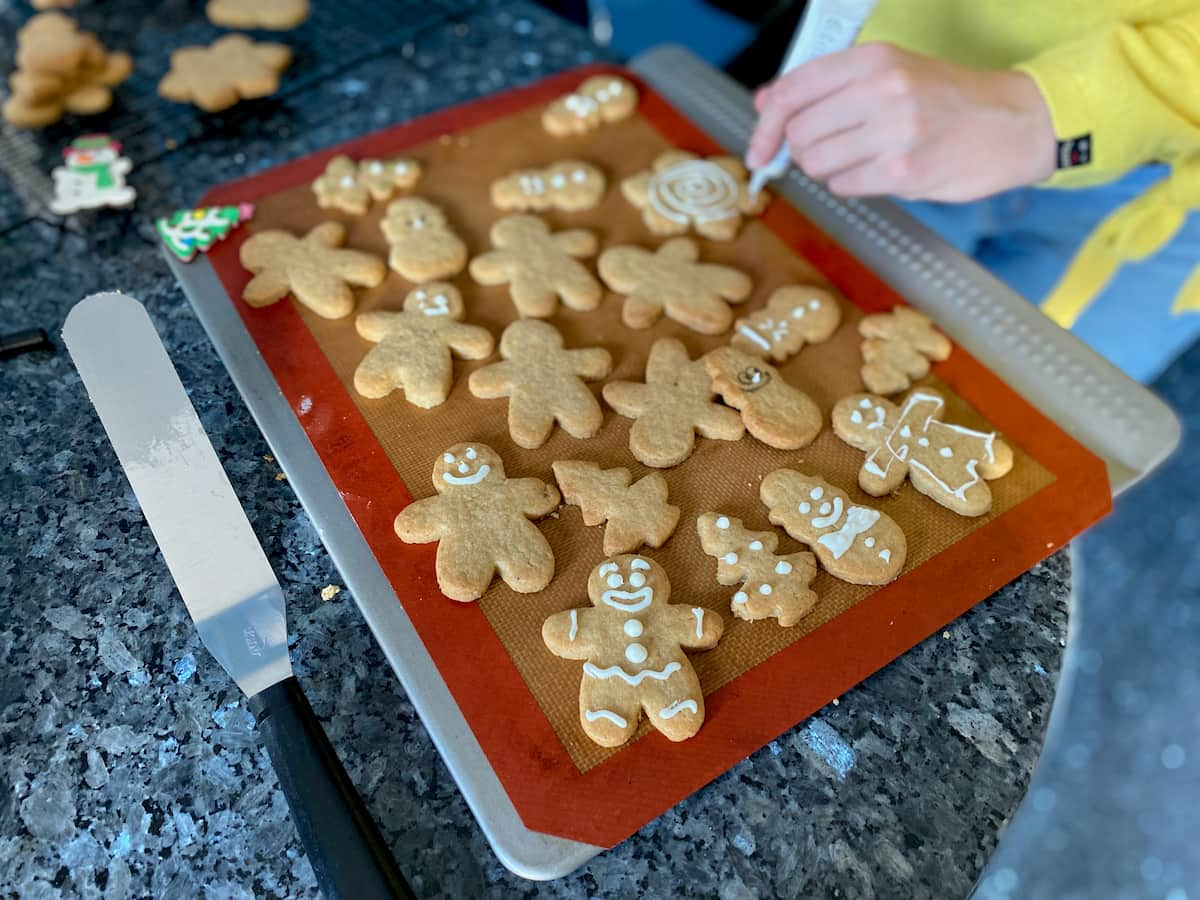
348,855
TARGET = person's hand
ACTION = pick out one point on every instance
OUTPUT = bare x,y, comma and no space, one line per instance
876,119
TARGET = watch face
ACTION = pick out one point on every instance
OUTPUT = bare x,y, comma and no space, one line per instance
1075,151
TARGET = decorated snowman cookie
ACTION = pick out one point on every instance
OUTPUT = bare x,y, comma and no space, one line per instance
93,176
854,543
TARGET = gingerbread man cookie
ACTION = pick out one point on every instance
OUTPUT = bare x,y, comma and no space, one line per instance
544,383
671,407
898,348
351,186
481,520
772,587
539,266
696,295
413,347
231,69
854,543
632,641
794,316
682,192
635,514
569,185
600,99
777,413
947,463
313,268
423,246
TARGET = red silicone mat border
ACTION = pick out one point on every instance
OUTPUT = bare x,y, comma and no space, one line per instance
612,800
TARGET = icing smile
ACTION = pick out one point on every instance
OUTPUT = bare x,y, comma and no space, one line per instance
475,478
629,601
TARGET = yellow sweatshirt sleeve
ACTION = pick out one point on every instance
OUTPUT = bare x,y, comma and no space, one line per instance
1132,89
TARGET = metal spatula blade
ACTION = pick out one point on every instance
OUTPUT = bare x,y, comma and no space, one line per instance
227,584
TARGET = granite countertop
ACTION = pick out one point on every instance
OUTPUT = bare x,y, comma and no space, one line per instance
129,765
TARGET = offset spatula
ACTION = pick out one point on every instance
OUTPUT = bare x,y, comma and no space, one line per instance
226,581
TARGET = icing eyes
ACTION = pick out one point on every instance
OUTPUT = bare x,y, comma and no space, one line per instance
723,522
558,181
420,294
805,508
615,580
864,403
401,167
755,545
376,167
637,579
471,453
447,457
817,493
783,567
346,181
731,558
814,304
579,176
608,567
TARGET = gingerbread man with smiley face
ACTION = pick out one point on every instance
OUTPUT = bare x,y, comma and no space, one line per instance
413,347
481,519
632,641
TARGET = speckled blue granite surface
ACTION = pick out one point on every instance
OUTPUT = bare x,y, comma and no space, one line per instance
129,766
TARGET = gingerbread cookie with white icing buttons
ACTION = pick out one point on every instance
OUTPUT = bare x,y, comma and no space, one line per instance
632,641
795,315
599,100
771,586
854,543
481,521
683,192
569,185
948,463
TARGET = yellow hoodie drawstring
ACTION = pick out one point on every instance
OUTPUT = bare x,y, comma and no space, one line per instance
1133,232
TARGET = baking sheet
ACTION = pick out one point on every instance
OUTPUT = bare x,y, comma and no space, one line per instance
533,770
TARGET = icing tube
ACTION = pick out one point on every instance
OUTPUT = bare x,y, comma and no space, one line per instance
828,26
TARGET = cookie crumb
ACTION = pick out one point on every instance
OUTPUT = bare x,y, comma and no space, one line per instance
279,476
946,635
170,143
268,457
837,702
330,591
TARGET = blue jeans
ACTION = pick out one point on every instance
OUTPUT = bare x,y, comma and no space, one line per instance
1027,237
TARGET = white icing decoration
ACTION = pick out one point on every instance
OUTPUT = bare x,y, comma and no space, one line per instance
574,625
723,522
639,564
880,417
580,105
740,597
615,580
783,567
865,403
858,520
608,567
905,431
439,307
467,479
869,543
946,452
693,191
731,558
463,468
375,167
617,672
798,312
814,303
637,579
640,599
885,555
765,590
558,180
347,181
748,332
615,87
447,457
805,507
634,628
669,712
699,614
400,168
579,176
636,654
593,714
825,508
755,545
471,453
532,184
856,417
834,514
817,493
923,442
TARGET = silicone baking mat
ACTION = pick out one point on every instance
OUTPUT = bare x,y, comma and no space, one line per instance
522,702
